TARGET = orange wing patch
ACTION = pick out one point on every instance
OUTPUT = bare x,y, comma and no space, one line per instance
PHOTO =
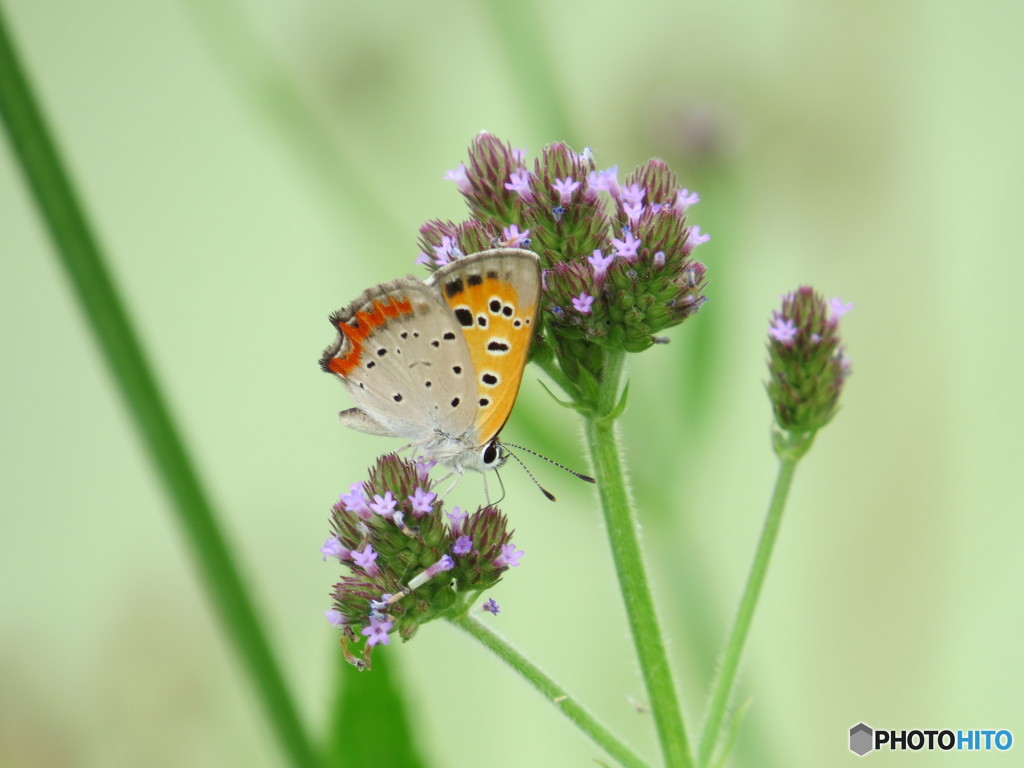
498,330
361,324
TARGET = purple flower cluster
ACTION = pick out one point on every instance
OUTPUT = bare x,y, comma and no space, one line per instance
617,254
409,560
807,363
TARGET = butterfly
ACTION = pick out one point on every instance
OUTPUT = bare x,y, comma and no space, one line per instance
439,362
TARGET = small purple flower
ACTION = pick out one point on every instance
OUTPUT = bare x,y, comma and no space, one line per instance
626,247
459,177
633,211
606,180
365,560
447,251
399,520
696,238
600,263
337,618
582,303
509,557
514,238
492,607
384,505
444,564
633,194
455,519
839,307
519,182
377,632
685,198
355,501
519,156
333,548
565,187
355,497
422,502
659,259
783,330
423,259
463,545
376,606
423,468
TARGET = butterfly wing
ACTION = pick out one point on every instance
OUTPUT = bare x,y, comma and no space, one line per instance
493,298
399,351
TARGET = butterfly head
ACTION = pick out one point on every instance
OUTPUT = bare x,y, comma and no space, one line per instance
484,458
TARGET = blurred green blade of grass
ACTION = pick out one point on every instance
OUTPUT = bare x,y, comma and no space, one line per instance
100,301
231,37
370,722
517,29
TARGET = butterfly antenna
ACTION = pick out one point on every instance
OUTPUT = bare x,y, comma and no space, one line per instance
580,475
545,491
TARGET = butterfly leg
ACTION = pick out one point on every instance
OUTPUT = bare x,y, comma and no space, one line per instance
456,473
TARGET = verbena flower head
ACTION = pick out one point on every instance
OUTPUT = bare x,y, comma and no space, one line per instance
807,363
617,256
408,560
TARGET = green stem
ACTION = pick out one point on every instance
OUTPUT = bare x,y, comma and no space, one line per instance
721,689
105,311
624,536
553,692
550,367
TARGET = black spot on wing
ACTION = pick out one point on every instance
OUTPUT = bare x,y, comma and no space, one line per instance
454,287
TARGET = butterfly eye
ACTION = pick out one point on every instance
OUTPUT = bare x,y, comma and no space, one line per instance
491,453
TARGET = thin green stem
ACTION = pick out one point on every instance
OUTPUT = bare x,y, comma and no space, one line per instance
104,309
624,536
721,689
553,692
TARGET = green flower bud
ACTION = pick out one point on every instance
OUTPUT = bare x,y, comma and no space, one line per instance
806,363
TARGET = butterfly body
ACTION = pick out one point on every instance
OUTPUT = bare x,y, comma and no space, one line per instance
439,362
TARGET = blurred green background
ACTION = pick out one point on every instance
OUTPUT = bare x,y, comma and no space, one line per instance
251,166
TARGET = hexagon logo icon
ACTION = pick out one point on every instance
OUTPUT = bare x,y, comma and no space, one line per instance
862,739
